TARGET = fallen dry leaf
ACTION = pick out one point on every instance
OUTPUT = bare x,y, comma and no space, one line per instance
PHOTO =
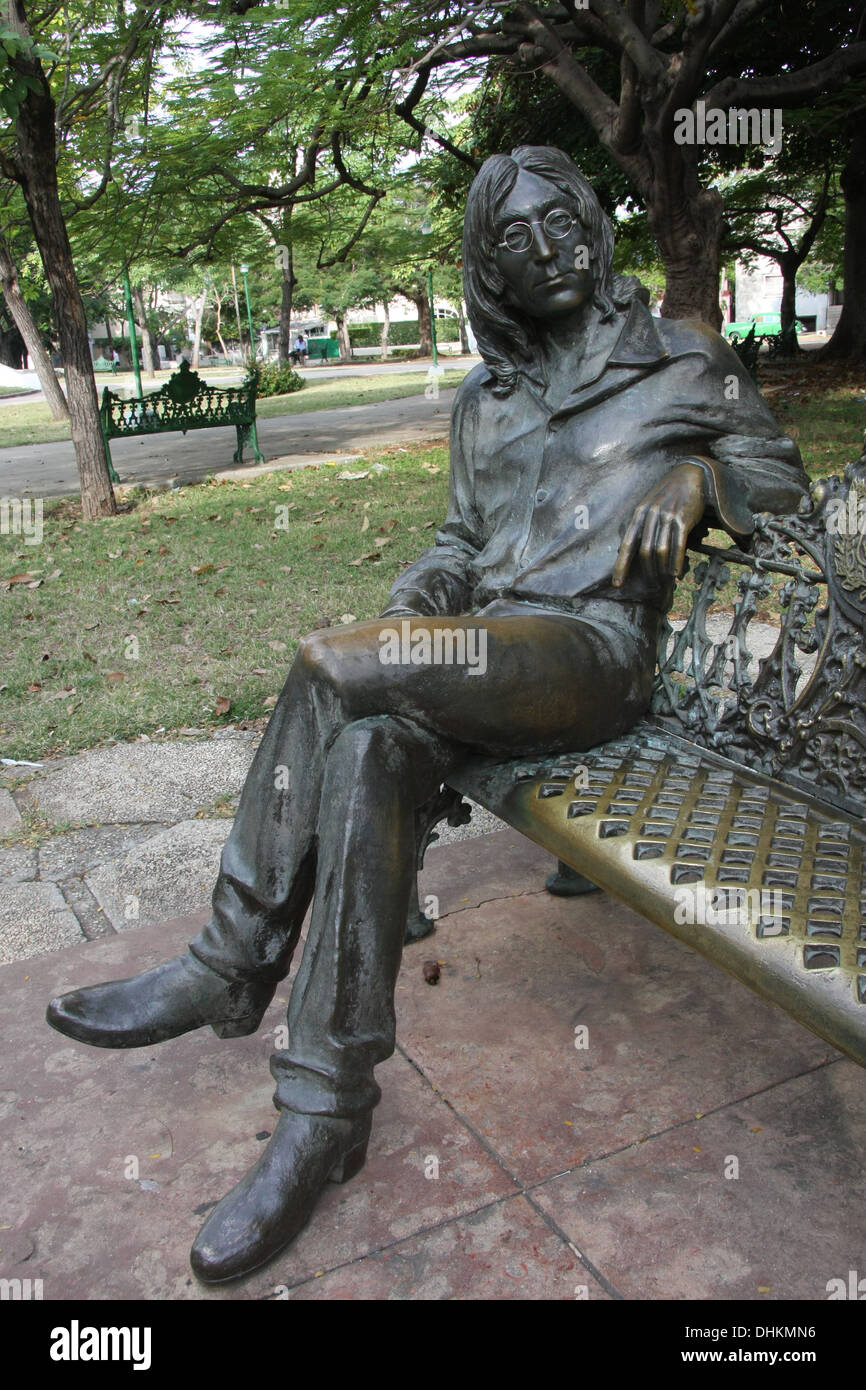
200,569
269,701
115,676
223,705
277,646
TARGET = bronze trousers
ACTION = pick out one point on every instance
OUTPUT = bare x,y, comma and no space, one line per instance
327,814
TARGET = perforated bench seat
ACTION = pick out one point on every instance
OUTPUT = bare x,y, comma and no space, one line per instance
650,815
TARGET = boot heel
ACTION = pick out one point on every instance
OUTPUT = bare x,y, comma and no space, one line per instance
351,1163
237,1027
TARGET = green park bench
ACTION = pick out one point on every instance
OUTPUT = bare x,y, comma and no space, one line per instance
185,402
102,364
779,345
322,349
743,790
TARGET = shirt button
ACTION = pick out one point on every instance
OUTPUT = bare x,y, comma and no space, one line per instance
541,496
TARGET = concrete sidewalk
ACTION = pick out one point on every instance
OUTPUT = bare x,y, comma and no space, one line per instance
49,470
701,1145
694,1142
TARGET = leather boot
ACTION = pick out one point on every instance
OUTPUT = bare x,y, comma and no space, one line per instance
275,1199
173,998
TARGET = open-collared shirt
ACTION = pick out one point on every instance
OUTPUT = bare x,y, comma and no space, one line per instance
541,497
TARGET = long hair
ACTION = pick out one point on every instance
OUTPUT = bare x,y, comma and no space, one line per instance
507,343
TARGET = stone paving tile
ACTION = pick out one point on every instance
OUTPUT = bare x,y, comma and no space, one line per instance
164,876
10,817
34,918
668,1034
503,1252
17,864
137,782
190,1111
662,1221
467,874
76,851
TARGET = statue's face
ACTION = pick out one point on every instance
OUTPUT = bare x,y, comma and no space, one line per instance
551,277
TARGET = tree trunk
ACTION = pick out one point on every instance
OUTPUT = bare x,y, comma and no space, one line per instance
343,338
219,305
848,342
23,320
386,330
199,315
425,326
37,162
461,325
13,349
689,236
287,288
789,265
146,339
237,311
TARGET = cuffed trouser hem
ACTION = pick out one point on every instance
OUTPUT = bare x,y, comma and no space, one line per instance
310,1092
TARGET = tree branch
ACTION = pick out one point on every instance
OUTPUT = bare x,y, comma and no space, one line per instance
792,88
341,255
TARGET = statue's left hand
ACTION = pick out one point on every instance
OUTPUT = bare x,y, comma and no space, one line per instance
661,525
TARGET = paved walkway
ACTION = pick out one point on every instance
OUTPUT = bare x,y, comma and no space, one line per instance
135,836
49,470
698,1144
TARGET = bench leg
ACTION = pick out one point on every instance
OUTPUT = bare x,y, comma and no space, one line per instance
445,805
247,435
568,883
112,474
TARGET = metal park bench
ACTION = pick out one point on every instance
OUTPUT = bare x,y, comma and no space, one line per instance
734,815
782,344
102,364
185,402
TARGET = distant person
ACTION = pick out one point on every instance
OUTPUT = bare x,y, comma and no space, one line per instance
115,357
300,350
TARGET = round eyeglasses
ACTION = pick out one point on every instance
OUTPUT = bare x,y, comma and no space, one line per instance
556,225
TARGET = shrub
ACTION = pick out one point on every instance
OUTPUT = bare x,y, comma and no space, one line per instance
273,378
403,332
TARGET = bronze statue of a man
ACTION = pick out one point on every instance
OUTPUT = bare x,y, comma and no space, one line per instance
585,449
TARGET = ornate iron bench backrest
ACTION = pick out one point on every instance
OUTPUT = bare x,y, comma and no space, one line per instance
798,715
184,397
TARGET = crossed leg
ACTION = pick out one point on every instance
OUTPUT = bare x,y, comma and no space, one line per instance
355,744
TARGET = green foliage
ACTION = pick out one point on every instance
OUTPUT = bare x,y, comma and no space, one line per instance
403,333
15,85
273,378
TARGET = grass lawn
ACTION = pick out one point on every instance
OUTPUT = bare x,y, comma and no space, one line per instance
31,423
185,610
16,391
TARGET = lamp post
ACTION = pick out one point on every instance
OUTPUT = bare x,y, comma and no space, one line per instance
244,271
